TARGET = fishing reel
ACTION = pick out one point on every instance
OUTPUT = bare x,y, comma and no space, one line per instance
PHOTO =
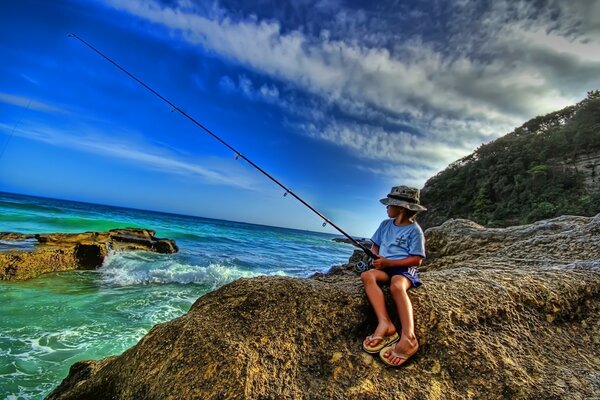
363,266
362,260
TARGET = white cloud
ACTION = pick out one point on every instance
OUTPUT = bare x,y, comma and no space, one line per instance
394,155
227,84
492,71
411,175
246,86
338,69
30,79
267,93
27,102
208,170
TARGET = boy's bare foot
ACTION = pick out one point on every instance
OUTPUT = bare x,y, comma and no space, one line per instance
398,354
383,330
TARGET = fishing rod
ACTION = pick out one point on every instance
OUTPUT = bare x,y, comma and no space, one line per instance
237,153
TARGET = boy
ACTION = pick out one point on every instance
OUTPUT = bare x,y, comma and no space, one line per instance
400,244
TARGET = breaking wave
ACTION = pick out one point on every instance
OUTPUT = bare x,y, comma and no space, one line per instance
121,269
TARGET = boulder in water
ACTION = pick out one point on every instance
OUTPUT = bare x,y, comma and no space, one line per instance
56,252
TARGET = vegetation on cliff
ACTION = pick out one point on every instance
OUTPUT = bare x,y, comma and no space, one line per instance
526,175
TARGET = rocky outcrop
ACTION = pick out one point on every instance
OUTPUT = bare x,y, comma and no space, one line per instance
588,165
503,313
64,251
362,241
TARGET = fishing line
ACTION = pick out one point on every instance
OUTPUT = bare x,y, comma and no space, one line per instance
237,153
12,133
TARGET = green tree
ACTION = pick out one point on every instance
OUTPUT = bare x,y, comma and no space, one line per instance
521,177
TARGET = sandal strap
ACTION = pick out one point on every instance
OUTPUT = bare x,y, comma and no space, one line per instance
400,355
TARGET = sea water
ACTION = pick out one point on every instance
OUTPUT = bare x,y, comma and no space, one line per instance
50,322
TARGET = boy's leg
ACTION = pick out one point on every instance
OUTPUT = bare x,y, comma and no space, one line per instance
385,327
408,344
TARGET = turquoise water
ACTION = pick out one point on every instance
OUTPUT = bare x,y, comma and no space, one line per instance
48,323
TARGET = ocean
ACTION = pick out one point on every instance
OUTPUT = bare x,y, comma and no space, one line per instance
50,322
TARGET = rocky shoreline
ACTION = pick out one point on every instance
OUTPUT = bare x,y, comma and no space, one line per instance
32,255
503,313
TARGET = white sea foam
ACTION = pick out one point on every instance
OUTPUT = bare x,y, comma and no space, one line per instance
26,244
123,269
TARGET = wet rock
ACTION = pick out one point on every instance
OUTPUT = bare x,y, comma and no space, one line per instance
511,313
56,252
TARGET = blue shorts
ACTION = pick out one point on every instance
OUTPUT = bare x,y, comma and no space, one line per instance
409,273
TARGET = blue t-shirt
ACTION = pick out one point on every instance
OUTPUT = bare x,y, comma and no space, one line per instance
397,242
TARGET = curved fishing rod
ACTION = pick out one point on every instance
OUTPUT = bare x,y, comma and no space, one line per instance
237,153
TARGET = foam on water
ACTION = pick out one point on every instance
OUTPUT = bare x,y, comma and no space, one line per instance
39,340
122,269
26,244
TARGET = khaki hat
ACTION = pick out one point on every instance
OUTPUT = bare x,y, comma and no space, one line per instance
404,196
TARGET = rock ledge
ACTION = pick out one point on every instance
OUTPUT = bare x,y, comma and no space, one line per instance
32,255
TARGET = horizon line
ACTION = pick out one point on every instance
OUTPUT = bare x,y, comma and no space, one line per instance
167,213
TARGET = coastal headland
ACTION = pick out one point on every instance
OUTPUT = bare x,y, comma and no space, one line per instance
503,313
54,252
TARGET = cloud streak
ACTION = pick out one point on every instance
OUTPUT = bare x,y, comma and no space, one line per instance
212,171
26,102
491,70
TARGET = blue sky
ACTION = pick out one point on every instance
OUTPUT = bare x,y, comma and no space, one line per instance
340,100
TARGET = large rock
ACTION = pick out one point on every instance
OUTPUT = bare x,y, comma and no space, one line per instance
56,252
503,313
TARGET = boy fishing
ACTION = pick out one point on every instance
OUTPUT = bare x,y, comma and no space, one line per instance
400,244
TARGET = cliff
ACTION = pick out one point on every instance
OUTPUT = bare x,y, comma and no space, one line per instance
586,165
547,167
503,313
32,255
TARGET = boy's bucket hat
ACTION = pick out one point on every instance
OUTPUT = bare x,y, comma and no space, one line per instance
404,196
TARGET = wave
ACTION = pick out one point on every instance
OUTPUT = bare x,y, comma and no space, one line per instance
122,269
30,207
74,223
201,238
26,244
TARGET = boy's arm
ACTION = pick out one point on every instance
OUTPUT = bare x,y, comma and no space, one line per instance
375,249
410,261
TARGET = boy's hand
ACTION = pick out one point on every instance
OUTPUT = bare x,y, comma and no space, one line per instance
380,263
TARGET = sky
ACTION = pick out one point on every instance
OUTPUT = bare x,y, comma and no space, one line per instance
339,100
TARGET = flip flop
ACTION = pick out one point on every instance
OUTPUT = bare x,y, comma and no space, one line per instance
384,341
405,357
